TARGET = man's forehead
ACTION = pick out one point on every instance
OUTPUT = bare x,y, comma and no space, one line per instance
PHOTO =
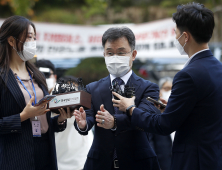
120,43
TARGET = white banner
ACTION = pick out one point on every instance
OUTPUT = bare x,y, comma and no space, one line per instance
153,39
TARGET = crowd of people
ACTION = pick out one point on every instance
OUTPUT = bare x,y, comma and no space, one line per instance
129,133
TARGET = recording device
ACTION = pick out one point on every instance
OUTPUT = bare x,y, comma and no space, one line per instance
116,88
63,87
162,106
129,90
47,98
69,94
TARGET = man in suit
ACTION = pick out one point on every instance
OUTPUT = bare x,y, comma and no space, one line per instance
194,107
117,144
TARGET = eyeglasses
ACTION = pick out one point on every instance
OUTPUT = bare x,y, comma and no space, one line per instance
109,54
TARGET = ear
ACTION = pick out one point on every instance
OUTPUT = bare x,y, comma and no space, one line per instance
11,41
104,54
134,55
187,36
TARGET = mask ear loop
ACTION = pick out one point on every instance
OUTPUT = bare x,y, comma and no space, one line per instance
13,45
180,36
14,48
18,40
184,44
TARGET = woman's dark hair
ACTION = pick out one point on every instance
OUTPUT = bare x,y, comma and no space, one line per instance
17,27
115,33
196,19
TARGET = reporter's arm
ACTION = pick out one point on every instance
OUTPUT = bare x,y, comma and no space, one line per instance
10,124
180,105
124,121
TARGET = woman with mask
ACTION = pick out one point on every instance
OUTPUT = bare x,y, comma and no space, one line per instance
162,145
26,131
165,85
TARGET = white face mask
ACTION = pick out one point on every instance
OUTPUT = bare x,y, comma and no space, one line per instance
179,46
118,66
29,50
50,83
166,95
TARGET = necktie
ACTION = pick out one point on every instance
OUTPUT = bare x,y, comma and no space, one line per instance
120,82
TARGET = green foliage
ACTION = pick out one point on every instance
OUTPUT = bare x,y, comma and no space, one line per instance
20,7
90,69
90,11
59,16
94,7
173,3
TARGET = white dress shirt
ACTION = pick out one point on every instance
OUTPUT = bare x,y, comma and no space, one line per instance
188,61
125,78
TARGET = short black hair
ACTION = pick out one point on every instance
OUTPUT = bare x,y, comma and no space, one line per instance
46,64
115,33
196,19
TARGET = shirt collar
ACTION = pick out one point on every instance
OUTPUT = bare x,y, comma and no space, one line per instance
188,61
125,78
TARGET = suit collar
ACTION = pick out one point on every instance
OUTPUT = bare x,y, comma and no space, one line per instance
134,81
200,55
14,88
106,94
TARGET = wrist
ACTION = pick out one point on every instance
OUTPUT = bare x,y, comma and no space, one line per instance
23,116
129,110
82,127
60,119
114,123
61,123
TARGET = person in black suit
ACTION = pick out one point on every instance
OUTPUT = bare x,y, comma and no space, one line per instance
117,143
194,108
161,144
26,131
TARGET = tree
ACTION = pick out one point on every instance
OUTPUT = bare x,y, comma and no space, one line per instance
20,7
90,69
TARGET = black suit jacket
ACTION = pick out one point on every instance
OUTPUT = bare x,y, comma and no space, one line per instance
194,111
16,139
131,143
162,146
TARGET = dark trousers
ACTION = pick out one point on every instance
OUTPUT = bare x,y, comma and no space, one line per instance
42,154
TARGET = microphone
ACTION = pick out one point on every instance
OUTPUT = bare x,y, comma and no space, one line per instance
116,88
70,95
129,90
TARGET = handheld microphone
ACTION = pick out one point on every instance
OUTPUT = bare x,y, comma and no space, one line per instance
129,90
